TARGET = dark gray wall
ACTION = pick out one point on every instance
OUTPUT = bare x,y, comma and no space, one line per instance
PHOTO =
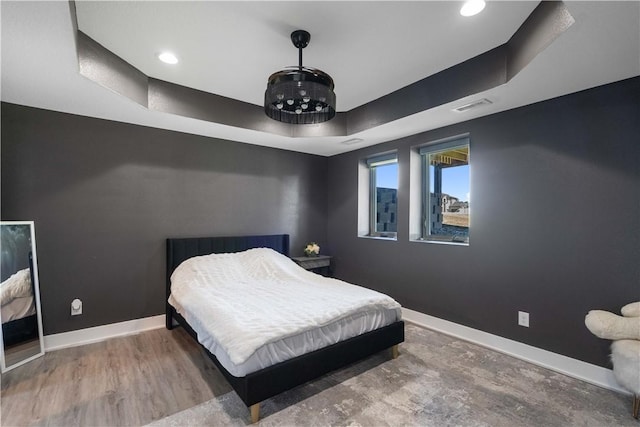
104,196
555,223
555,217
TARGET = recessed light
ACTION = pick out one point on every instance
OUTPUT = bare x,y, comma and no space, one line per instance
472,7
168,58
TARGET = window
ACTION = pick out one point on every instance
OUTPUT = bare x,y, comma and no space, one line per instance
445,191
383,195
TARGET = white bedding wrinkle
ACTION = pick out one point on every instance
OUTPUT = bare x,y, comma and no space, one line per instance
242,301
18,308
18,285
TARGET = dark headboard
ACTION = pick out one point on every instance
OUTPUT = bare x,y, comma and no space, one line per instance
33,279
179,250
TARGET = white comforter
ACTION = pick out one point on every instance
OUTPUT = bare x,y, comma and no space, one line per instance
18,285
248,299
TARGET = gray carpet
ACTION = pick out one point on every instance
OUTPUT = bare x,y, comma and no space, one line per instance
437,381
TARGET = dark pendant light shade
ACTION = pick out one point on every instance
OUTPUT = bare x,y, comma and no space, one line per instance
300,95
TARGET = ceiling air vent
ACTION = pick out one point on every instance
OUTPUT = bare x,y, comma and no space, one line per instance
352,141
474,104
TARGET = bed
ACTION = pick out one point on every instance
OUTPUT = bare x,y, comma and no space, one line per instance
265,382
18,310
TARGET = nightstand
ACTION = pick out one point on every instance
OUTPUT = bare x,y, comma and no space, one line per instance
320,264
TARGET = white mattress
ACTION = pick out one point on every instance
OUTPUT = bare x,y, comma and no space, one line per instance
18,308
257,308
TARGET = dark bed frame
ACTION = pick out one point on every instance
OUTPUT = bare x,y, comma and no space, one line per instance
268,382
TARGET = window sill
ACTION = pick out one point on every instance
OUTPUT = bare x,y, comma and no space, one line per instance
366,236
441,242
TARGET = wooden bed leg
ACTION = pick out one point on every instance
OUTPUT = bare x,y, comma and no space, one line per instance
255,412
395,352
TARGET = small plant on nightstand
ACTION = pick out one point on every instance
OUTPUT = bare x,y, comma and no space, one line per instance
312,249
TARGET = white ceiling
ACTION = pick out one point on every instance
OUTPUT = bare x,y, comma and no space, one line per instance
230,49
369,48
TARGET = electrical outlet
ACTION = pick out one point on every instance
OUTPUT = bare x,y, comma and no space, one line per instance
76,307
523,319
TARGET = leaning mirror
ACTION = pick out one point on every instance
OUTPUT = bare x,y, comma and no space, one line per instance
19,295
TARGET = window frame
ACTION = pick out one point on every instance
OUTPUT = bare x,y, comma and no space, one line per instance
372,163
425,191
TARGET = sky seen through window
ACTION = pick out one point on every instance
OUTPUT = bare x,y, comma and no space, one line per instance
455,180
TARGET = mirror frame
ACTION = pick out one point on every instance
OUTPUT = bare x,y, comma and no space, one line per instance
36,288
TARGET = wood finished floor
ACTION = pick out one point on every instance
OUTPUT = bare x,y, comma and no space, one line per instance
111,383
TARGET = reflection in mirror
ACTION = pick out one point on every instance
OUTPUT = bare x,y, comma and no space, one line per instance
19,295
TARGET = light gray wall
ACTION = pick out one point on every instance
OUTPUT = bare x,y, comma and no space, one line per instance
104,196
555,223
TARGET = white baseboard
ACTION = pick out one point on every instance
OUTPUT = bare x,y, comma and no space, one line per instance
584,371
101,333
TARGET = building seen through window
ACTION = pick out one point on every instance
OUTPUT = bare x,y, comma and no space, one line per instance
386,198
446,191
383,195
